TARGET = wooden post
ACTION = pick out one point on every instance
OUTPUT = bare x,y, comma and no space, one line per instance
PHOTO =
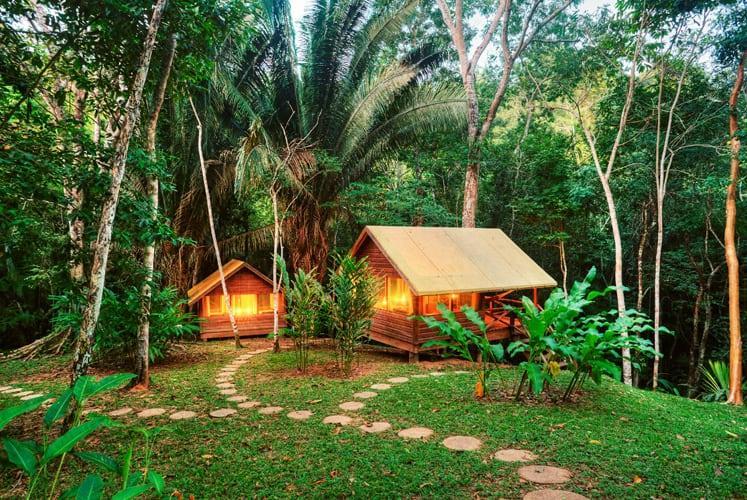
534,297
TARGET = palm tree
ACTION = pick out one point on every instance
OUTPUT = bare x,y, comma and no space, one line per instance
325,120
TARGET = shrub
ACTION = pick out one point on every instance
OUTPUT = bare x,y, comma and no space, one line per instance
353,294
304,300
460,340
44,461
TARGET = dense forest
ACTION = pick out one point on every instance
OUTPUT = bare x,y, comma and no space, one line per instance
135,133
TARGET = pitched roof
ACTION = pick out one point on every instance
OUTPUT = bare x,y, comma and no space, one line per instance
229,269
435,260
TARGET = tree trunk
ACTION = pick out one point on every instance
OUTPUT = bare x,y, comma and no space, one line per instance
142,358
310,247
641,249
216,249
732,261
471,183
85,342
275,281
694,342
657,285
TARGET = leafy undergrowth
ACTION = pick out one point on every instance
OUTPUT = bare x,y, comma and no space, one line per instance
617,442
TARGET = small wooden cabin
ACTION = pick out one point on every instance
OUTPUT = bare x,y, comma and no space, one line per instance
250,293
424,266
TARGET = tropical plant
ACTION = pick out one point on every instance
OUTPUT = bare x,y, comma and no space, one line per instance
460,340
353,294
329,118
715,381
43,462
305,299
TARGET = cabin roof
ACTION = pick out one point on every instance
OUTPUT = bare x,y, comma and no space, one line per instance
434,260
213,280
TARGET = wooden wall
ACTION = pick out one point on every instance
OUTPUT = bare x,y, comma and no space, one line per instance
243,282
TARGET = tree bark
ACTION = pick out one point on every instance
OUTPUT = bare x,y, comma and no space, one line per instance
216,249
142,358
641,250
85,341
732,260
275,281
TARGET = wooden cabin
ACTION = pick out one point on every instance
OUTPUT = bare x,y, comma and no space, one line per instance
250,294
424,266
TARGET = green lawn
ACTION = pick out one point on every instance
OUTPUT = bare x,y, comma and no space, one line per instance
617,442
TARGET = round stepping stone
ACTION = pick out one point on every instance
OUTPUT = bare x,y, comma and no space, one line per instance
14,390
365,395
415,433
337,420
420,375
300,415
462,443
438,374
461,372
512,455
351,406
151,412
376,427
24,393
381,387
5,388
120,412
227,392
553,495
181,415
223,381
230,369
237,399
270,410
544,474
249,404
398,380
31,396
223,412
225,385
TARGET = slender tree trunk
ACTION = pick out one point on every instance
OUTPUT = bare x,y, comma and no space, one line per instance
142,358
85,342
275,281
694,341
216,249
732,261
641,250
657,285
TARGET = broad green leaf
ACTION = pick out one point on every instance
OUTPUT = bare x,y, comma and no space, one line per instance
8,414
20,454
131,492
91,488
105,461
67,441
157,481
82,387
59,408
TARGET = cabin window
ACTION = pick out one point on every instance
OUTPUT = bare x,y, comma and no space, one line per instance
395,296
453,301
265,303
244,304
215,305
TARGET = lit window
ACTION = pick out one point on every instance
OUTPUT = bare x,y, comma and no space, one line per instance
244,304
265,303
216,306
453,301
399,298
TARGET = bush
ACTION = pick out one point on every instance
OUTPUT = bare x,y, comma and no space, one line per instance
353,294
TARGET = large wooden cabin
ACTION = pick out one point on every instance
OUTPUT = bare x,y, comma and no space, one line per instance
424,266
250,293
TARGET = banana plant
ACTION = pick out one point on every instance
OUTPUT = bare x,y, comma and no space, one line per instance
459,340
44,462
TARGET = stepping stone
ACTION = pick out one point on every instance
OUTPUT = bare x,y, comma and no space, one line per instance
381,387
461,372
245,357
512,455
151,412
24,393
376,427
237,399
120,412
230,369
181,415
462,443
337,420
31,396
351,406
14,390
270,410
223,412
365,395
225,380
398,380
438,374
544,474
553,495
300,415
415,433
249,404
420,375
225,385
5,388
227,392
258,351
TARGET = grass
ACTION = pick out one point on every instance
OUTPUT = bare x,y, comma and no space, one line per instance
617,441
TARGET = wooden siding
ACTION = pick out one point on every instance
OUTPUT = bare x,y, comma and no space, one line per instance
219,326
